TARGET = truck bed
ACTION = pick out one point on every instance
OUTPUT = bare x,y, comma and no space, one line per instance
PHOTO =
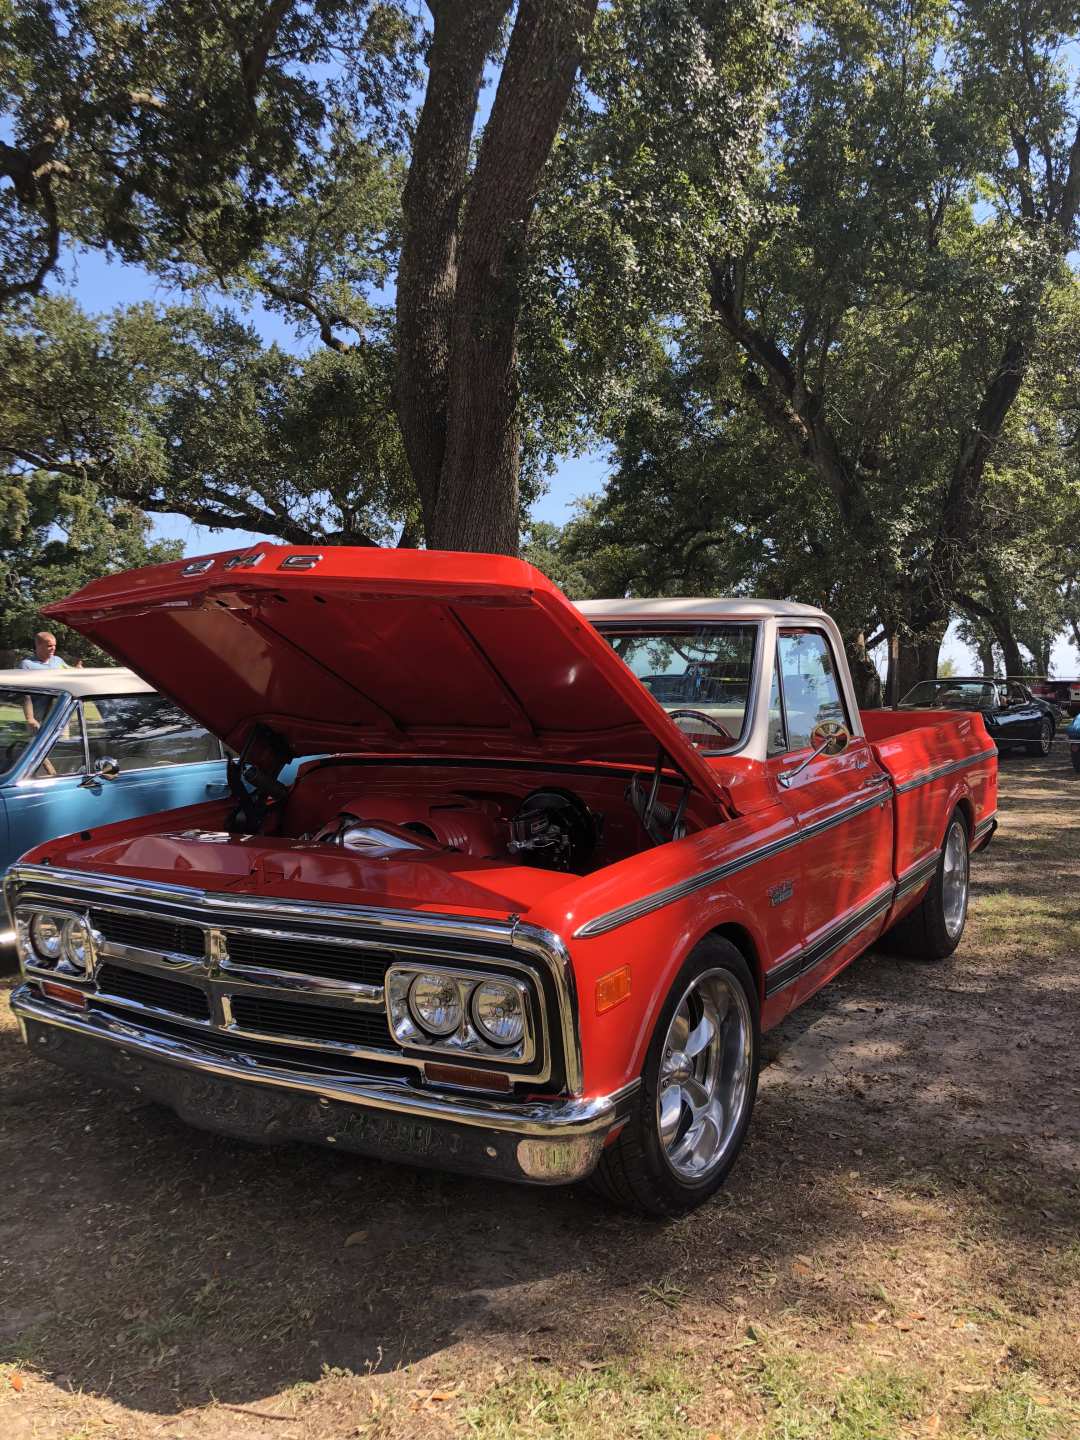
937,760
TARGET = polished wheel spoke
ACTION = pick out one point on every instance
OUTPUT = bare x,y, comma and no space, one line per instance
703,1034
954,880
671,1109
705,1070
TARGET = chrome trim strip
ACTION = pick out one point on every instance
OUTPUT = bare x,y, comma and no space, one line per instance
917,875
201,906
163,893
257,981
827,945
636,908
940,770
557,1118
984,825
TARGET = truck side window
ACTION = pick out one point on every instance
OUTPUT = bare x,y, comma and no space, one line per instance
810,687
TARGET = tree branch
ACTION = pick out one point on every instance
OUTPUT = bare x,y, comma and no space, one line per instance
325,319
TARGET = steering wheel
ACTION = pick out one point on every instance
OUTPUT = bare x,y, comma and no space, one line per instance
701,715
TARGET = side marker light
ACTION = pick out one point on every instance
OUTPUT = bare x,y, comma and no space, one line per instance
612,989
66,993
463,1075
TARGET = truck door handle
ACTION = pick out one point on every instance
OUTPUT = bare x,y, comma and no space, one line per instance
875,780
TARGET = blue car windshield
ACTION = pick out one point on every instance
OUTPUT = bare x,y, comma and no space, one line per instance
22,714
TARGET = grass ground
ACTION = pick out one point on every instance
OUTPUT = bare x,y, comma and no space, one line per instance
896,1255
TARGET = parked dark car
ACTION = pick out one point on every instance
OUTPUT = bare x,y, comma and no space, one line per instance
1012,715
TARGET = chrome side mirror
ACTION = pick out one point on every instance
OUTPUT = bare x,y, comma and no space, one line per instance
104,768
828,737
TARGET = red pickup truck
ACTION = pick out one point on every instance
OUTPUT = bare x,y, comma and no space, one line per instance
503,885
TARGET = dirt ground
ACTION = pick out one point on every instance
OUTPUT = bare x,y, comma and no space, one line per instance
897,1253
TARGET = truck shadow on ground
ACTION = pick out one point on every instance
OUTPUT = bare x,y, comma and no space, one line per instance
162,1267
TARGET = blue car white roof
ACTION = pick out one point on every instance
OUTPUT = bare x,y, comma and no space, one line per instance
80,682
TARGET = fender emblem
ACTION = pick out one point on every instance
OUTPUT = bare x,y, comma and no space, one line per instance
779,893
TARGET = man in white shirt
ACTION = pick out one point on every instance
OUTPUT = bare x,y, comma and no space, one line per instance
44,656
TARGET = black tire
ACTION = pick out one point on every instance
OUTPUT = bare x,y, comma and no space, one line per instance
1076,761
926,933
1045,742
634,1171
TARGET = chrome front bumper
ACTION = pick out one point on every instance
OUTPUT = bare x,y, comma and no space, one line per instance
538,1142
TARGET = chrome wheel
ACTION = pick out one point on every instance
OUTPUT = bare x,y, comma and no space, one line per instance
1046,737
954,880
705,1074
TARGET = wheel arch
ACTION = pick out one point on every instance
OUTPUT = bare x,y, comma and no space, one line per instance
965,805
744,942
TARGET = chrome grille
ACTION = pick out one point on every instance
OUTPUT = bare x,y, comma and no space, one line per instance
272,976
156,990
300,956
149,932
311,1022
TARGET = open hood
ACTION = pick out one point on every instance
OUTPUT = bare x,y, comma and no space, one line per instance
411,652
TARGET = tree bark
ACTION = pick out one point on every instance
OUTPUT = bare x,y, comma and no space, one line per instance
986,658
1010,650
917,661
465,34
458,299
864,673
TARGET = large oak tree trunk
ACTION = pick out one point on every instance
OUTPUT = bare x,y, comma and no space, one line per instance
458,299
918,660
464,36
864,673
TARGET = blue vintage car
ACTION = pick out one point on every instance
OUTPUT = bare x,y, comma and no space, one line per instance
81,748
1074,743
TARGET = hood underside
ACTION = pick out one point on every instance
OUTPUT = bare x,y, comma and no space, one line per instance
422,653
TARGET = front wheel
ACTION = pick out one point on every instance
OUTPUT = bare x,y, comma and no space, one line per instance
697,1092
933,929
1045,740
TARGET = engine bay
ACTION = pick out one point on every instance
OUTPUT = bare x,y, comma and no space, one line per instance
553,829
489,813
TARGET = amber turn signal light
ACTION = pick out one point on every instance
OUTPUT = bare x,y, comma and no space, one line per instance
463,1075
612,989
65,993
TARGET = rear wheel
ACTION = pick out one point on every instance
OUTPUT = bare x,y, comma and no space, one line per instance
697,1090
1045,740
933,929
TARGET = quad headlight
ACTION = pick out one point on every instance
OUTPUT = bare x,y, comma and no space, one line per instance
47,936
78,945
55,940
437,1008
499,1012
435,1002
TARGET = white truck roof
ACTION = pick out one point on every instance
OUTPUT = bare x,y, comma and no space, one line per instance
693,607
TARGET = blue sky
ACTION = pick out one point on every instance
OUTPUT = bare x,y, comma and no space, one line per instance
99,285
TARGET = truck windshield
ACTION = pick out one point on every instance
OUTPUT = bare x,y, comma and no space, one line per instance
700,674
22,714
